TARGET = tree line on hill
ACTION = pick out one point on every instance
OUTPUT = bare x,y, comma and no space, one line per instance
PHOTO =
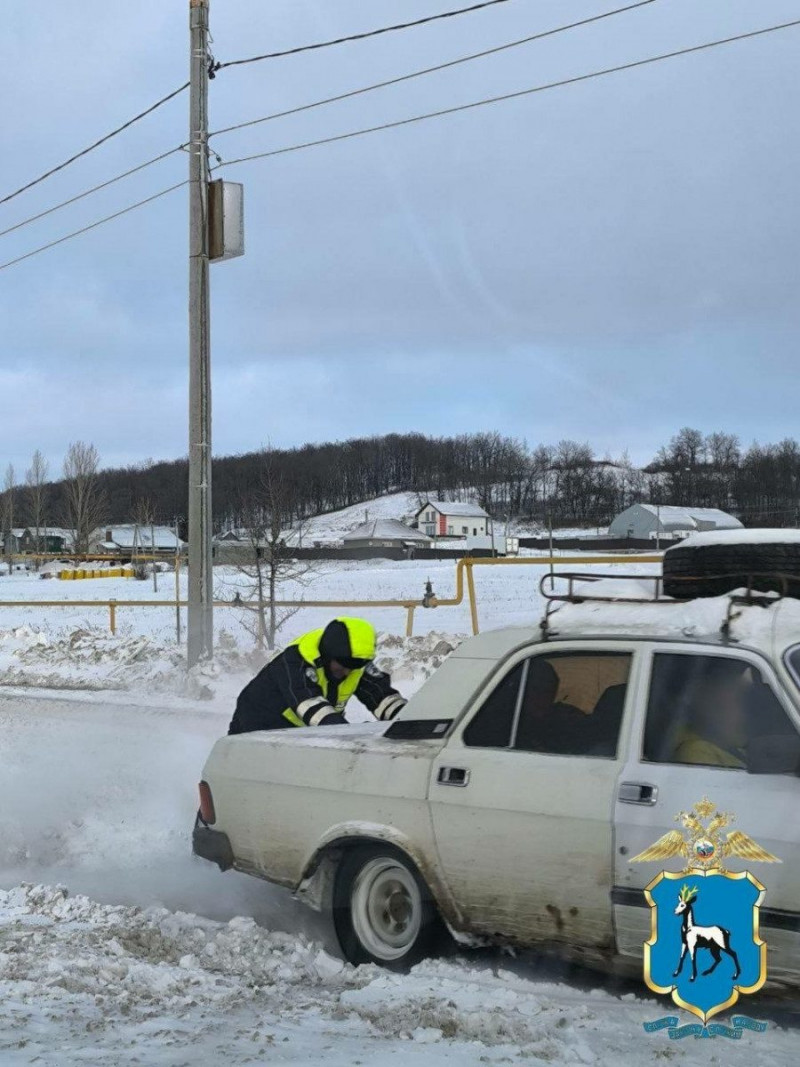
566,483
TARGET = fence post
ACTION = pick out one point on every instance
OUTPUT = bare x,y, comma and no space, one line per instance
410,621
112,616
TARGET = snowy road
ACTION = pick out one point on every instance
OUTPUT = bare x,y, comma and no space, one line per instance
156,958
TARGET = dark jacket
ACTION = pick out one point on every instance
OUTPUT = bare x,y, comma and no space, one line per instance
294,690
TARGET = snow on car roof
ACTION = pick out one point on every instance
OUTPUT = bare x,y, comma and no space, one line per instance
699,620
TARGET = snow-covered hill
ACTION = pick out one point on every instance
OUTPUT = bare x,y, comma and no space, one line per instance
333,525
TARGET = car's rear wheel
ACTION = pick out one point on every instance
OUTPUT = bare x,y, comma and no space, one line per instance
382,910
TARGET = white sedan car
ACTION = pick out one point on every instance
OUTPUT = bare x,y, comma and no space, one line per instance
509,797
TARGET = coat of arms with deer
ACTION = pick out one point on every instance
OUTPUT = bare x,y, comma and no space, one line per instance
710,918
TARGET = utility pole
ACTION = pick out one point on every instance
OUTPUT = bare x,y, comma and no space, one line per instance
200,617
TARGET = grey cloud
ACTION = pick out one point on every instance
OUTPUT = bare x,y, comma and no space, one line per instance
608,261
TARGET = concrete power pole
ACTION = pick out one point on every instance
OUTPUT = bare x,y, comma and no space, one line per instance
200,617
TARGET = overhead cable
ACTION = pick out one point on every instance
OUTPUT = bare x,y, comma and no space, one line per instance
91,147
507,96
359,36
94,225
94,189
430,70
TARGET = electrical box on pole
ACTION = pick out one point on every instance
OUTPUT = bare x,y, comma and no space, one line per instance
225,220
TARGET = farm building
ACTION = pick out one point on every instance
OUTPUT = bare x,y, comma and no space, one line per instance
46,539
440,518
642,522
124,540
385,533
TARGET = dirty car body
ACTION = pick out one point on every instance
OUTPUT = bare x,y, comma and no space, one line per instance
518,807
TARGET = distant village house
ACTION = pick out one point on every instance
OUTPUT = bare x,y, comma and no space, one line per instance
385,533
438,518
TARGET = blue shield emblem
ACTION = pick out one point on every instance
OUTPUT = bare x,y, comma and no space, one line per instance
704,949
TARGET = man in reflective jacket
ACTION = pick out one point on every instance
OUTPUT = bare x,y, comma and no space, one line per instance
310,682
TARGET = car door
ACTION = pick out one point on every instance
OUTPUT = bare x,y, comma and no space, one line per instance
522,796
658,781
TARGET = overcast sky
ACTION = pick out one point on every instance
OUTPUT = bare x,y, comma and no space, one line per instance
607,262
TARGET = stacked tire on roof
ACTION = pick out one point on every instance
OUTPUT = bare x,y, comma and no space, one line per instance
716,563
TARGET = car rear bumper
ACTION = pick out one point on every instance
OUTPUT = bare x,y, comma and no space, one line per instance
212,845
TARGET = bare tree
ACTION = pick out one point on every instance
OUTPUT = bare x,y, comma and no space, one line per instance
85,503
8,510
37,494
270,561
144,518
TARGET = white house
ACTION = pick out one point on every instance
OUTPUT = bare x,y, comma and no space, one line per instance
450,518
130,538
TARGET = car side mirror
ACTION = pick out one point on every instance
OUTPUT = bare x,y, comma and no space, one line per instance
774,754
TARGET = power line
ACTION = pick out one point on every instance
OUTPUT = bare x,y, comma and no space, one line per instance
94,189
431,70
359,36
507,96
94,225
91,148
413,119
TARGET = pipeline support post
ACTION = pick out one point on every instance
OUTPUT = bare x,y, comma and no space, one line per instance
473,603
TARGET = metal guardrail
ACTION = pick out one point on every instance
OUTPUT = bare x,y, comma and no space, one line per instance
464,567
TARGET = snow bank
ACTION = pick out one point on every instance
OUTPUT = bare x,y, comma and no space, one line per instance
90,658
125,984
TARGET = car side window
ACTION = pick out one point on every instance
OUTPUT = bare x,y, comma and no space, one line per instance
573,703
712,711
492,724
568,703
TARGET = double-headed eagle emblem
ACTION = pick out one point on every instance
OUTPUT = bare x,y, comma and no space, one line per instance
702,845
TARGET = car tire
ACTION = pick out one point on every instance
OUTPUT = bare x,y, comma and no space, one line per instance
382,910
715,569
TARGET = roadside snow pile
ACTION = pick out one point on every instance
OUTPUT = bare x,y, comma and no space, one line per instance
84,981
83,659
140,963
93,659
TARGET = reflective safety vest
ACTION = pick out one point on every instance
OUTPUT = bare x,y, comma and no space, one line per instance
362,643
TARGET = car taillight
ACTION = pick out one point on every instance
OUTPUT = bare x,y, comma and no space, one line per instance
207,813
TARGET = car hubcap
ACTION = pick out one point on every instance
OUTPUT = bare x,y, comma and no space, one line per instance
386,908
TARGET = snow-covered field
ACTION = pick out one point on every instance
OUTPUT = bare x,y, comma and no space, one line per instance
507,595
150,956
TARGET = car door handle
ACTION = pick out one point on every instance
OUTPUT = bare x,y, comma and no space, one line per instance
453,776
638,793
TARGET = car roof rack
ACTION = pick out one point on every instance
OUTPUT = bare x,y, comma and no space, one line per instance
556,597
572,597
